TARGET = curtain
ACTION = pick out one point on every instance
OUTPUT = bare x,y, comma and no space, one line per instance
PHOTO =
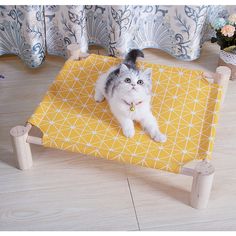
22,33
32,31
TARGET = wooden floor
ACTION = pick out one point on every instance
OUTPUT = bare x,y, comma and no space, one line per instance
67,191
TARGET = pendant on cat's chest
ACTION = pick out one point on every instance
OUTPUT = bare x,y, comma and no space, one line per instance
132,107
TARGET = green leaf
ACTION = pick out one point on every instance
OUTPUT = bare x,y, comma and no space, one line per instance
230,48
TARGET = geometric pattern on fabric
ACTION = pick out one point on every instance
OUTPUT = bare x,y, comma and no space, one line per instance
185,104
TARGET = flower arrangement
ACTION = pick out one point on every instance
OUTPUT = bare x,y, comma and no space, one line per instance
225,33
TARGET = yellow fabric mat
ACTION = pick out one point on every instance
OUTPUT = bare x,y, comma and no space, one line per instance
185,104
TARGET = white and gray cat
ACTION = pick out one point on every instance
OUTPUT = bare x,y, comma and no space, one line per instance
128,91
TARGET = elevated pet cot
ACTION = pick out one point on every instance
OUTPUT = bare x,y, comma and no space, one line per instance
185,103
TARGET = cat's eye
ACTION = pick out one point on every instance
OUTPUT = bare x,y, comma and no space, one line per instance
140,82
127,80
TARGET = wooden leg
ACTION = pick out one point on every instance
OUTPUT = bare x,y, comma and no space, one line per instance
202,182
21,148
221,77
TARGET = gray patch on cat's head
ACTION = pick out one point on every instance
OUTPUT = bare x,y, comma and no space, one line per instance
129,80
111,81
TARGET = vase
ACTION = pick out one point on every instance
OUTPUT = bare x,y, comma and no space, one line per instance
228,59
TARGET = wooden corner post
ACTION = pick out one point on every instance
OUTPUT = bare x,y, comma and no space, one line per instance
203,175
21,148
222,78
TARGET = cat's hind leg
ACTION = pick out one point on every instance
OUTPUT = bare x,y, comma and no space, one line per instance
99,88
98,96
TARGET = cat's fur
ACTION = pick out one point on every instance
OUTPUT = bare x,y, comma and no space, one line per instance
121,86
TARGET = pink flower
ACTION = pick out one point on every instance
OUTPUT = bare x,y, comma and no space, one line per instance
228,30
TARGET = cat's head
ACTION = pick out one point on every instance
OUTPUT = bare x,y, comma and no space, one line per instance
135,83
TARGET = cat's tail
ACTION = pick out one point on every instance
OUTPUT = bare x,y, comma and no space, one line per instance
131,57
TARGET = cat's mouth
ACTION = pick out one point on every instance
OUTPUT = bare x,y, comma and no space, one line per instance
133,88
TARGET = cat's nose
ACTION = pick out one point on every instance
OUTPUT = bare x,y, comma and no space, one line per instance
133,85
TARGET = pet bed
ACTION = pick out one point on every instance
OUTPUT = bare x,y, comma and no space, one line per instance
184,102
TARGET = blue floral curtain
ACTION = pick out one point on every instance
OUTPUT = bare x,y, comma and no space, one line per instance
31,31
22,32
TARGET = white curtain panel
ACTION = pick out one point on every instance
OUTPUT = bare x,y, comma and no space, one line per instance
31,31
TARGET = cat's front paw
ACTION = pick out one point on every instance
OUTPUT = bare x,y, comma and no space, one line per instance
129,132
159,137
98,97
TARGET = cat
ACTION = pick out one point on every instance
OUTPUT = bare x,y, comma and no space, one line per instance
128,91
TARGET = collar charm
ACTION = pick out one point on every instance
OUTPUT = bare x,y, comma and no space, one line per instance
132,107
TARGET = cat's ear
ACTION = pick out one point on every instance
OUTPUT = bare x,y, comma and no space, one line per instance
123,68
148,73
